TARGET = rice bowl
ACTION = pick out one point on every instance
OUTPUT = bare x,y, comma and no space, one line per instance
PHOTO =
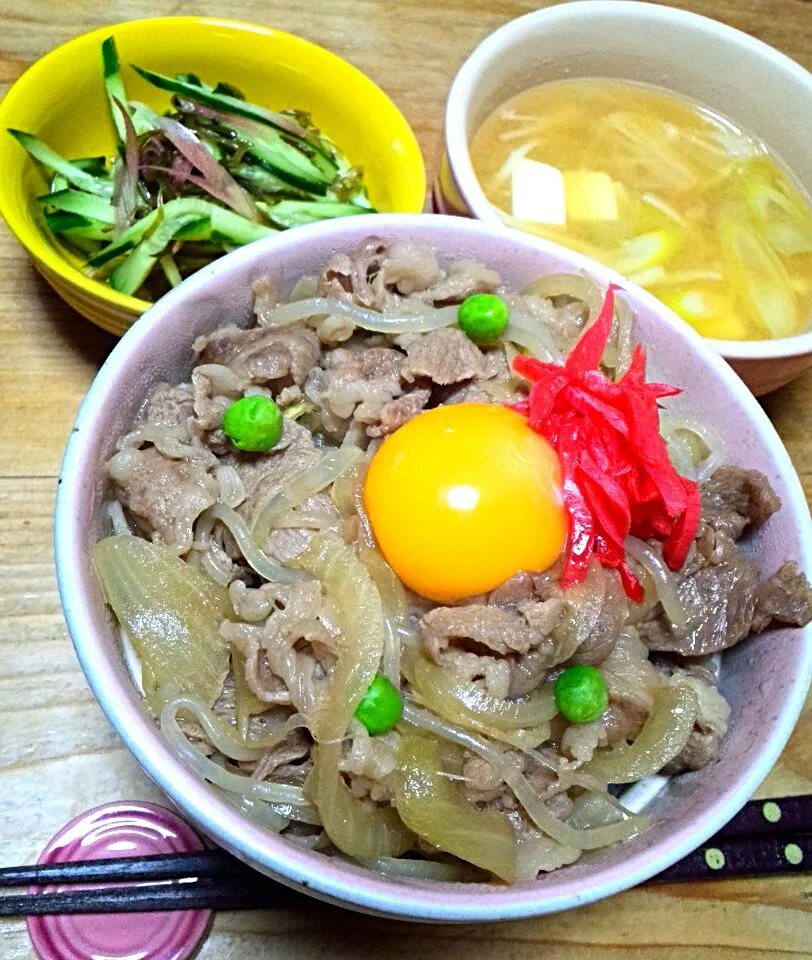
686,813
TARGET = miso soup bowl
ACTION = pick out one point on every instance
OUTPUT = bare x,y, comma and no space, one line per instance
731,72
765,678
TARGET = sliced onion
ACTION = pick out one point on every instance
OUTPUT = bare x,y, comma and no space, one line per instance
663,737
577,286
540,854
408,869
300,814
596,809
232,782
533,337
673,426
269,569
664,579
521,787
395,610
304,485
171,611
429,318
464,702
260,811
223,736
357,828
438,811
359,616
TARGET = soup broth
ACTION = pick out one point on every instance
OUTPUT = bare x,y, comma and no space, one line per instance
673,196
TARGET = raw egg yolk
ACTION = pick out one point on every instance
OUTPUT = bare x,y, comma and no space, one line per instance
464,496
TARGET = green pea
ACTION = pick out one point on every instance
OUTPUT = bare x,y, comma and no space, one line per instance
381,707
483,317
580,694
253,423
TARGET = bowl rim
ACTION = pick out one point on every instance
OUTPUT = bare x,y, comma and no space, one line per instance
36,72
467,77
327,878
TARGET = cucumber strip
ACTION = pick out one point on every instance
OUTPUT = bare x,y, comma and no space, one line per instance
296,213
170,269
114,87
190,219
123,244
76,201
131,273
224,226
285,164
262,182
84,245
49,158
76,225
221,101
95,166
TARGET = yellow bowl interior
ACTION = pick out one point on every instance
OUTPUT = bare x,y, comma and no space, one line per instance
61,99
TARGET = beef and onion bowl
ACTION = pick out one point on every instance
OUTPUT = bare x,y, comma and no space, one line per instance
419,566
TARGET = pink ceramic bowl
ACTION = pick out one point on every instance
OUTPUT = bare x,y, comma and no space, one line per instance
765,679
646,43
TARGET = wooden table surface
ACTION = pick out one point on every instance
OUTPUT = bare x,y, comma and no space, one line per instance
59,756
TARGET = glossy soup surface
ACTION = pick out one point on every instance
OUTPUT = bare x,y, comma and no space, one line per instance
673,196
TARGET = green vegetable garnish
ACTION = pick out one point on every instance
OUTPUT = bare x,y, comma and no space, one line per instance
184,187
381,707
580,694
253,424
483,317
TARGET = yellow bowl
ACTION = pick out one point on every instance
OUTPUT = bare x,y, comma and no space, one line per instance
61,99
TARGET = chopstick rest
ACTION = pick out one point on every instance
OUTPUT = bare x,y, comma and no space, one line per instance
126,829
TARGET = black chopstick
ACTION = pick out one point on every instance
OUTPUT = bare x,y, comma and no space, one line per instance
195,895
167,866
767,837
743,857
785,815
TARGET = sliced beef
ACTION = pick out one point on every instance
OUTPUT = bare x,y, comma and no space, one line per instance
165,496
285,760
719,600
592,616
785,598
631,680
263,474
215,388
711,724
444,356
397,412
734,499
255,604
476,626
347,277
463,278
169,406
409,266
470,392
277,355
356,383
520,586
